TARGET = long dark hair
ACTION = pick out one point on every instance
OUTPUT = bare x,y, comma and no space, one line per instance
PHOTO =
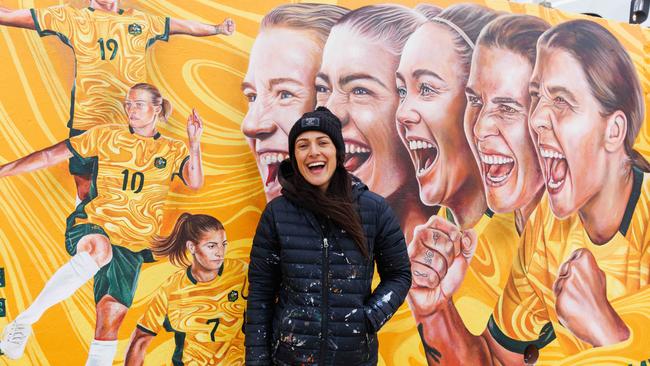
336,204
188,227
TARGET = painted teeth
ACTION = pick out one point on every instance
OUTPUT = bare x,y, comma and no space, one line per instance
416,145
269,159
354,149
497,179
496,159
553,184
551,154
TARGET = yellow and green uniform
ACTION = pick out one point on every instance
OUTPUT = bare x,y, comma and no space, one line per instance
207,318
488,270
109,54
128,190
526,313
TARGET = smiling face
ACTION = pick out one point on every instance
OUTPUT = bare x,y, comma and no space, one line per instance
496,126
210,251
316,158
430,116
139,109
568,130
357,83
279,87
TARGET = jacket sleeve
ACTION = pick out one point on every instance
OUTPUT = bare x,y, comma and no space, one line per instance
394,270
264,276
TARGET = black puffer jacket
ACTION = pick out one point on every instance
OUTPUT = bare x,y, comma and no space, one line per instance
310,299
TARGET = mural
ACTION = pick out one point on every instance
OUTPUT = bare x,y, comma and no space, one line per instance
509,139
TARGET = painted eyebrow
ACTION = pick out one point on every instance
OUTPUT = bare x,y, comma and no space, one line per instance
506,100
562,90
400,77
424,72
215,242
360,76
276,81
469,90
246,85
322,75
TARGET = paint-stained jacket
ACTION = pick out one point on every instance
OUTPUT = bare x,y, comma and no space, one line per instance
310,299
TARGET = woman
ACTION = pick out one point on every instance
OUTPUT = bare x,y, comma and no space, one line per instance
210,330
108,58
359,88
584,248
279,83
431,83
313,258
109,233
496,127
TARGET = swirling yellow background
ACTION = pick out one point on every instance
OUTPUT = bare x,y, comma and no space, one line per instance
205,73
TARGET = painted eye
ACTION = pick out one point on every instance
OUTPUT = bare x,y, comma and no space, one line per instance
474,101
286,95
251,97
401,91
559,100
360,91
322,89
427,90
507,109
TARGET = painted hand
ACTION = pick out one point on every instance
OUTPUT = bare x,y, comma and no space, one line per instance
440,254
227,28
581,301
194,129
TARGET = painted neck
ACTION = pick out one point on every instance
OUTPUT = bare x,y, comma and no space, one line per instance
202,274
112,7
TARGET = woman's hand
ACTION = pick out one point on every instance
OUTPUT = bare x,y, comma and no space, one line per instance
194,129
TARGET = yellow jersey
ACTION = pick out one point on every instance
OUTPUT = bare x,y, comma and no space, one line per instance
488,270
526,312
109,54
130,183
207,318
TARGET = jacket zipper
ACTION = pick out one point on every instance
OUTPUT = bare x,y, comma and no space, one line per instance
325,294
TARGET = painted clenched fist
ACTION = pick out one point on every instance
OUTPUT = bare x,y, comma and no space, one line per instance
581,301
440,254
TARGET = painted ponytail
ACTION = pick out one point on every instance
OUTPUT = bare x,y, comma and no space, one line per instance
188,227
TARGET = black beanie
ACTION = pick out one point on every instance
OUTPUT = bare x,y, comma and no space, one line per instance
319,120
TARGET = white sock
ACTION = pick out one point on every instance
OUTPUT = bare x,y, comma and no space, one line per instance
101,353
63,283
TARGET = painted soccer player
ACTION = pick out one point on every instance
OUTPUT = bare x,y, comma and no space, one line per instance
279,85
210,330
110,46
496,127
109,233
574,261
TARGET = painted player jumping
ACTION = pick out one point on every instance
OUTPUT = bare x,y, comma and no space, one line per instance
110,46
110,232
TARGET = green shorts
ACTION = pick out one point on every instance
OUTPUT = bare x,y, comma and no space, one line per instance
80,166
119,278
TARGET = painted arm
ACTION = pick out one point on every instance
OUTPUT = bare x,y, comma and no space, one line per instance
193,170
137,348
20,18
198,29
38,160
440,255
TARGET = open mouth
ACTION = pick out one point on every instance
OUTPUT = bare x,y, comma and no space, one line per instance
272,160
356,154
556,168
496,168
424,154
316,167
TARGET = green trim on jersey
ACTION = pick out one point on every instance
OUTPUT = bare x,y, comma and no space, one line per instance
161,37
546,336
637,183
66,41
179,339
